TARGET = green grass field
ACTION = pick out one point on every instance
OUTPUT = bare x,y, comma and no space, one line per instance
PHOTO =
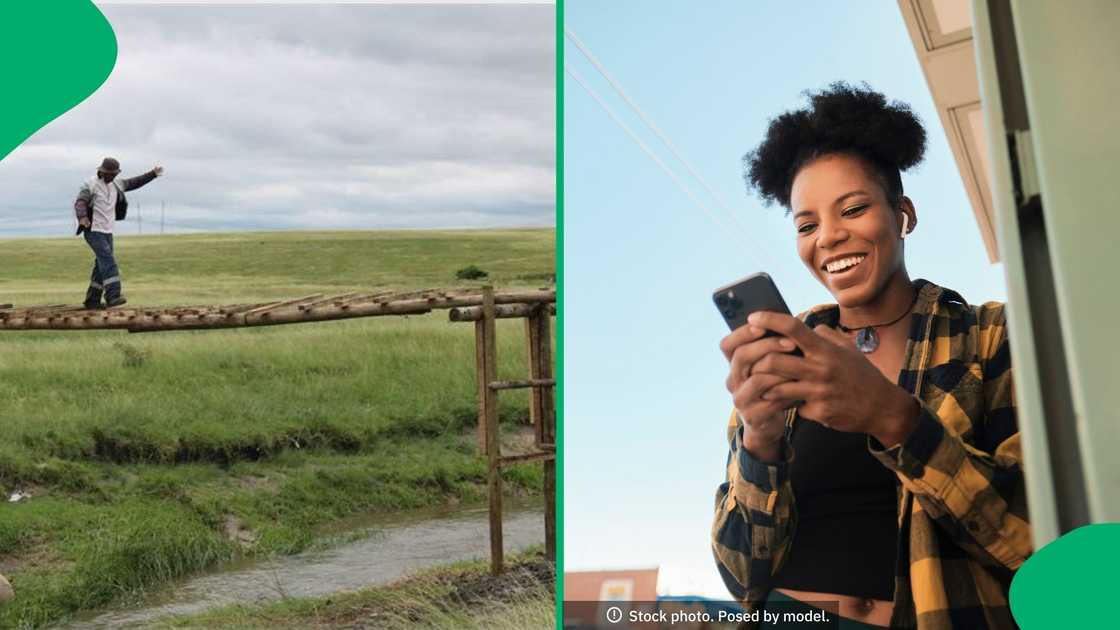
139,451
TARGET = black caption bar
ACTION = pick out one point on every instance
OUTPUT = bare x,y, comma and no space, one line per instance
688,614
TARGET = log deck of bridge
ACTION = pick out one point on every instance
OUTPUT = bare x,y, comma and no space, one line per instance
311,308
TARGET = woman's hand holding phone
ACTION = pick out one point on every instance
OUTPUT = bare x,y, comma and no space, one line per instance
839,387
763,420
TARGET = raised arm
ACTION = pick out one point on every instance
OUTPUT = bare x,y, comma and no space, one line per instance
132,183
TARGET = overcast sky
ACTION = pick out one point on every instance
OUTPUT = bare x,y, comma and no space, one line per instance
309,117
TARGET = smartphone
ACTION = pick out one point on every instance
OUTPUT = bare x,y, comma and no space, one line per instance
756,292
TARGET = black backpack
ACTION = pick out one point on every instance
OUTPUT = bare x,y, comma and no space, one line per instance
122,204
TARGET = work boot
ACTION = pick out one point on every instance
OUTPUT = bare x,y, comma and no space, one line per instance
6,592
116,301
93,298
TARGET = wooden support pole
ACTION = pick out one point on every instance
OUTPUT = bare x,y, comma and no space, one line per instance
490,419
532,342
539,329
550,509
543,410
482,384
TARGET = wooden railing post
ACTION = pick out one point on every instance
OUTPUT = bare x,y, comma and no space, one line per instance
489,419
483,385
538,328
542,407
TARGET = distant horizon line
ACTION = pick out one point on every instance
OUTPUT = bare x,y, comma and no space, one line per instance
269,230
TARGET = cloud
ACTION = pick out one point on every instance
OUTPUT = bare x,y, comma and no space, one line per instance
287,117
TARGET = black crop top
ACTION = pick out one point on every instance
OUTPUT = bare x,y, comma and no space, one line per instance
847,529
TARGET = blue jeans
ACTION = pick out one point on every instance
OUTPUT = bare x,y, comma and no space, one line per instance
105,274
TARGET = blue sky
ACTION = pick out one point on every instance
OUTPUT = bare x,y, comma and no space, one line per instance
645,407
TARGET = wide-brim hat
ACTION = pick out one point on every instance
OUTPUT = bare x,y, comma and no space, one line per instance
109,166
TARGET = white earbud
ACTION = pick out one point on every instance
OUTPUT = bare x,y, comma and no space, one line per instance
905,224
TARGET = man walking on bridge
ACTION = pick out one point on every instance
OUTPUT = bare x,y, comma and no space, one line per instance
101,202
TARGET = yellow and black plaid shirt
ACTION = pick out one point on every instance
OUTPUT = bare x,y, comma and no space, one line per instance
962,512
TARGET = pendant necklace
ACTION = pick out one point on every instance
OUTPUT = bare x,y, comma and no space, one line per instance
867,340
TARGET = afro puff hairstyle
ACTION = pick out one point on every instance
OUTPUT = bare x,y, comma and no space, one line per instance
841,119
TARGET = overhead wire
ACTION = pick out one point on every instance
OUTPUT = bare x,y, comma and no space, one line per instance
617,87
642,145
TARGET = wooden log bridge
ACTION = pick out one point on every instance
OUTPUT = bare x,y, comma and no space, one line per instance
482,306
311,308
542,407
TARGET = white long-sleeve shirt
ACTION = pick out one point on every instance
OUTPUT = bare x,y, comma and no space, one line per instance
103,198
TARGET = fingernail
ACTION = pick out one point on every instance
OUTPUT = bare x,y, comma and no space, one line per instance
765,396
787,344
752,318
754,330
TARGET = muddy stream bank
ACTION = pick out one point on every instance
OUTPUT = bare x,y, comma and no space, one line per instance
393,548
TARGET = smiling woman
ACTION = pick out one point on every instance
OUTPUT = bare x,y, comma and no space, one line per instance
905,503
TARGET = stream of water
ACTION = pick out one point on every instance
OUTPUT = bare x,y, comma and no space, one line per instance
392,550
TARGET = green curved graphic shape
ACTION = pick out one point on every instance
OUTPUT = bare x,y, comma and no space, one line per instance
1070,583
57,53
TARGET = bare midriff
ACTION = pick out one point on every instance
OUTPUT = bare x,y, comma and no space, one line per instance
875,612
